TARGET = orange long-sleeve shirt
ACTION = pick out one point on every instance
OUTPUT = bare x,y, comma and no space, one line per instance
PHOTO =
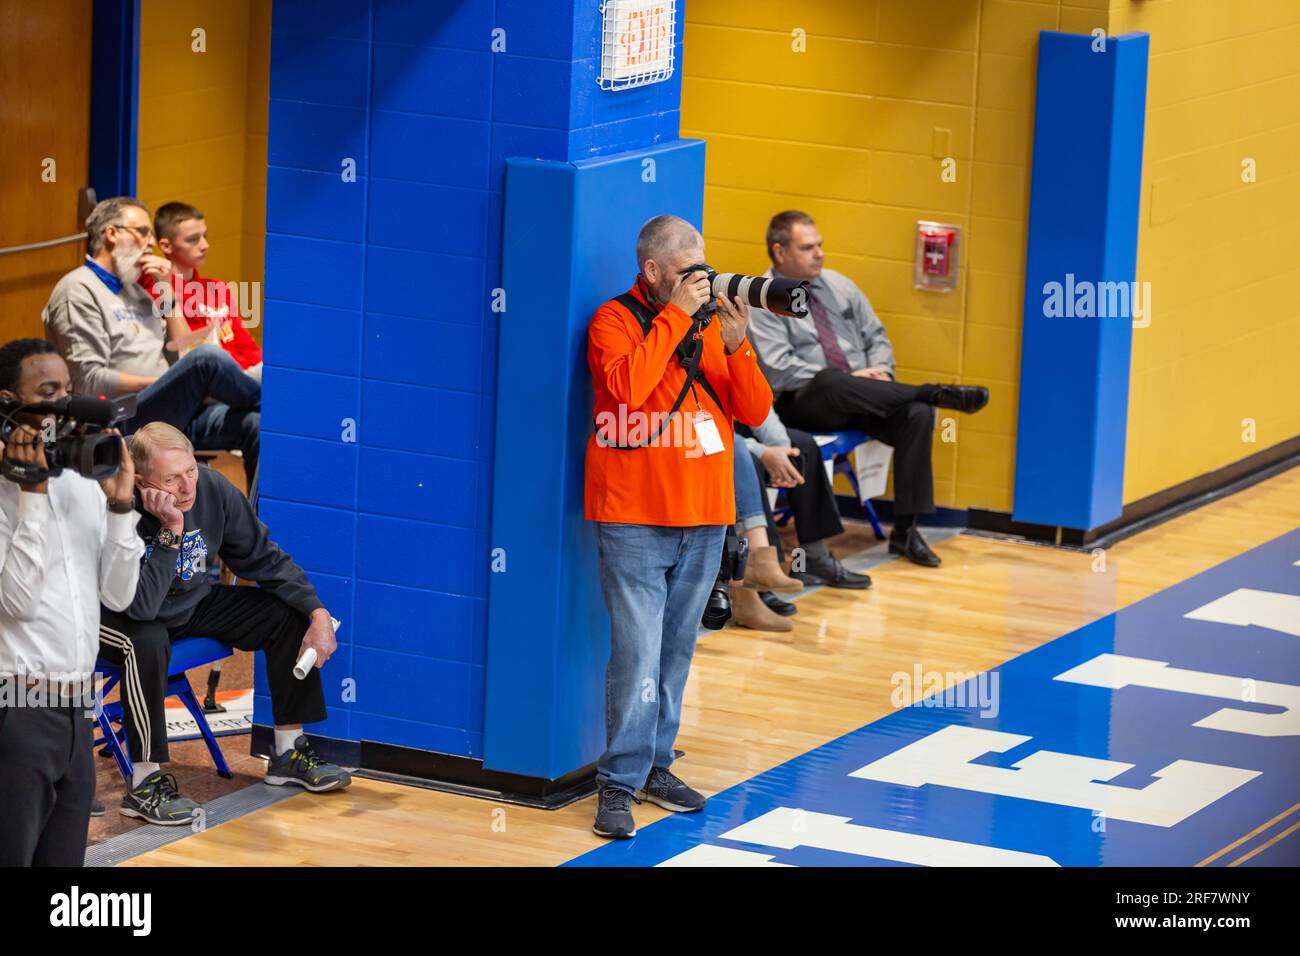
636,378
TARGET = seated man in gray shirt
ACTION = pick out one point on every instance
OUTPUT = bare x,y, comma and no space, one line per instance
190,513
104,324
835,370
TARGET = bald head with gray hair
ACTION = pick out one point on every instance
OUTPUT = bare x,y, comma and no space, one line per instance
153,437
664,236
107,212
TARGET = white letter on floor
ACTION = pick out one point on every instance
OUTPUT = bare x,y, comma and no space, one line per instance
944,759
1115,671
1246,606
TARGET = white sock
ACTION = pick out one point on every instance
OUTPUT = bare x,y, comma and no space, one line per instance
142,770
284,739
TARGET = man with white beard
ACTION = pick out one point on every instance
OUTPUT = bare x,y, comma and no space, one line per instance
104,323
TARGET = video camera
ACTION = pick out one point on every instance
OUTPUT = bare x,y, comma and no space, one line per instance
75,436
775,294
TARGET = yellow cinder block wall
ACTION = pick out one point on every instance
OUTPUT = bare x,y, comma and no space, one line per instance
203,122
1221,352
853,130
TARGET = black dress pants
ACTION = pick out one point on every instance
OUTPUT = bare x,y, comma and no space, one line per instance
889,411
47,783
247,618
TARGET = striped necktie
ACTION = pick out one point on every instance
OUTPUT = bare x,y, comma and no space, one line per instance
826,334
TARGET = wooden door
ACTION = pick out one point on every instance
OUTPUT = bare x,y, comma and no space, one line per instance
45,55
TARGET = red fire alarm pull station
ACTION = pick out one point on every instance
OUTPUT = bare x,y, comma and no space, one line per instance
936,256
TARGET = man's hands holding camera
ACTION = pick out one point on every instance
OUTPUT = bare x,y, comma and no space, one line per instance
733,317
692,291
162,505
26,446
120,487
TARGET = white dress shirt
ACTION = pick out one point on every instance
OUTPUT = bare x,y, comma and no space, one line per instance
61,554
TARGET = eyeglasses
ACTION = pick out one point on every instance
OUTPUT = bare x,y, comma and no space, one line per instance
144,232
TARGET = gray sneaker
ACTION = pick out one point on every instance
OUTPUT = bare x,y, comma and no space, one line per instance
614,814
301,766
664,788
157,801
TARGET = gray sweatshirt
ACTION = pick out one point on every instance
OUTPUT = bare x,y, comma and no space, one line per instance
101,332
771,433
174,580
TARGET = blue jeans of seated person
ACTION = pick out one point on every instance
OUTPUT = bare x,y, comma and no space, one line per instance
231,420
656,582
749,493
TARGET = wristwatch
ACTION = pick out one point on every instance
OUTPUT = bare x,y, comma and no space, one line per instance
168,538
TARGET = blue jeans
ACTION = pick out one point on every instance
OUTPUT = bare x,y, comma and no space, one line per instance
232,419
749,493
656,581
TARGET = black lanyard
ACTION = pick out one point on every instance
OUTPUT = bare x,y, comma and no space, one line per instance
690,350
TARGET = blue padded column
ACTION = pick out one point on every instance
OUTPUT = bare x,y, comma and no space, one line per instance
114,96
570,233
1083,219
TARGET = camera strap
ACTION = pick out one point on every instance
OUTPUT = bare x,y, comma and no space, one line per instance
689,351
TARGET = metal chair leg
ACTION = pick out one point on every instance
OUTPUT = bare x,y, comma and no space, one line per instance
181,688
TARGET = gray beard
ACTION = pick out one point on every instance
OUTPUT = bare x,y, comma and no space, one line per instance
126,266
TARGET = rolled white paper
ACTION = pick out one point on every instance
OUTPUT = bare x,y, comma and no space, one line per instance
305,663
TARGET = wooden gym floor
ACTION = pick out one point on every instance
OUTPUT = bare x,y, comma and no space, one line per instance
756,700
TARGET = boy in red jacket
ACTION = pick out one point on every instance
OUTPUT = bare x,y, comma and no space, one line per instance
205,303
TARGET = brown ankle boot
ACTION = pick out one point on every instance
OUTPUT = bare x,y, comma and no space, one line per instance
748,610
763,573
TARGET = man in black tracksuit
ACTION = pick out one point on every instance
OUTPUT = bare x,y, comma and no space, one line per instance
190,513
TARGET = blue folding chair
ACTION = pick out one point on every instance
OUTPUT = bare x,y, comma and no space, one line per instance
187,653
837,450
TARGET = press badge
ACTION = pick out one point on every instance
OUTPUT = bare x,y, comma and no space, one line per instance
707,432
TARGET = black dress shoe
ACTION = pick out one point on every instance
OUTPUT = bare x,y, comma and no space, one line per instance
963,398
829,572
913,547
774,603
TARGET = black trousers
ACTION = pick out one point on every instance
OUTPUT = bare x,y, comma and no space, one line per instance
247,618
812,504
47,783
889,411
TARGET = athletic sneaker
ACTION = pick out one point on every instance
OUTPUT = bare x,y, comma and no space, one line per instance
96,808
301,766
667,790
614,814
156,800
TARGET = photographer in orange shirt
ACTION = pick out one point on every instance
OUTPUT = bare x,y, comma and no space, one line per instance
659,485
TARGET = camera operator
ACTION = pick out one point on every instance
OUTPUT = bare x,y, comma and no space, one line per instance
661,502
65,546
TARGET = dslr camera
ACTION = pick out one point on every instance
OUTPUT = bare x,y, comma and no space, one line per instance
779,295
735,555
75,436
